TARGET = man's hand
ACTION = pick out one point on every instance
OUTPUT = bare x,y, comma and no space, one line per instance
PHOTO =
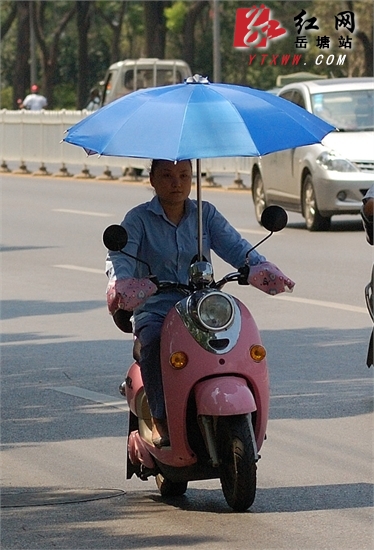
128,293
268,278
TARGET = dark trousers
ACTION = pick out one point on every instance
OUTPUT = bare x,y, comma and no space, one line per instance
149,335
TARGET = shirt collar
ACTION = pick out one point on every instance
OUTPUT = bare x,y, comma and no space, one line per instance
155,206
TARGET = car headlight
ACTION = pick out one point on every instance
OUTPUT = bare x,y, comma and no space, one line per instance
215,311
330,161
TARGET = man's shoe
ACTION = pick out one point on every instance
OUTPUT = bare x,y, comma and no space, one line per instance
160,433
160,442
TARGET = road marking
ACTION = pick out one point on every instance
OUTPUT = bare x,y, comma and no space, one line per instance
79,268
82,212
254,231
332,305
106,400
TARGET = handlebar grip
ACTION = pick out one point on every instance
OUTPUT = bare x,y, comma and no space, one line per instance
244,274
154,280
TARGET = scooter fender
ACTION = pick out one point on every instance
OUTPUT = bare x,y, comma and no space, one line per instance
224,396
138,451
134,388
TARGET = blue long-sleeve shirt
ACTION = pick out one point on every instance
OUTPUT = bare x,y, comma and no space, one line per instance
169,248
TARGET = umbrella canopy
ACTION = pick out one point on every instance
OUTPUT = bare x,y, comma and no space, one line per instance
197,120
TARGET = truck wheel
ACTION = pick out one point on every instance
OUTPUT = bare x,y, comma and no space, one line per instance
258,196
237,461
313,219
169,488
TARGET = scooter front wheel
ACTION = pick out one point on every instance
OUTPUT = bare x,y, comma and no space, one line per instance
169,488
237,461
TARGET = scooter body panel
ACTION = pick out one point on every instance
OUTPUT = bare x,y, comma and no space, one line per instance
222,384
202,364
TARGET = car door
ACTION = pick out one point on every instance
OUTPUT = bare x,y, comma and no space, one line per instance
280,175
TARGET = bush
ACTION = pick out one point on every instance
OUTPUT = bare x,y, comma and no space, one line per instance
65,97
6,98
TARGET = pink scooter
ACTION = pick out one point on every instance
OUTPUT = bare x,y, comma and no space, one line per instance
216,387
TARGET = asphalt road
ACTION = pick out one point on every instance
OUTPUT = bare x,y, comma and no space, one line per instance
63,422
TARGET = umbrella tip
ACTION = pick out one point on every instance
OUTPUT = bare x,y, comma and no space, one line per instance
197,79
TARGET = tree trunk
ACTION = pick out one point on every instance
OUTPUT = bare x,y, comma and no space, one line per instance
49,51
116,27
189,30
21,80
83,24
115,54
155,29
7,23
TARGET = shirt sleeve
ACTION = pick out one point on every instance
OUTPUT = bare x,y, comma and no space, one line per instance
227,242
120,266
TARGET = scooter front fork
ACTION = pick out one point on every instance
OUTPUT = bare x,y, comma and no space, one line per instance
209,432
210,440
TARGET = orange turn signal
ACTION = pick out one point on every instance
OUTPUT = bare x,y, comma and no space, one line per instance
178,360
257,353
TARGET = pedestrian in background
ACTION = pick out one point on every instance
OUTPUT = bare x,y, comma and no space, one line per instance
34,101
94,102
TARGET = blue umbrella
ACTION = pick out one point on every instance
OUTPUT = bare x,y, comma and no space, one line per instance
197,120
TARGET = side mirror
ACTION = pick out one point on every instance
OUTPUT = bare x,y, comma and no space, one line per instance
115,238
274,218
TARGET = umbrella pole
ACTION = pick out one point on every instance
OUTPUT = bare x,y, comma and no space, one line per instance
199,211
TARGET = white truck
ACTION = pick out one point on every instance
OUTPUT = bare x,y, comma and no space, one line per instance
129,75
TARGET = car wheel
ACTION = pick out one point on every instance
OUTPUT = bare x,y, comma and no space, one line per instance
313,219
258,196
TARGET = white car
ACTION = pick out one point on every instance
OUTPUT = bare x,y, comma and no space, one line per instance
323,180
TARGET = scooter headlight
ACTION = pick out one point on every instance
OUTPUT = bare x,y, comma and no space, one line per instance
215,311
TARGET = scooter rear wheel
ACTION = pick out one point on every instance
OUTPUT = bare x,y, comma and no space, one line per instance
237,461
169,488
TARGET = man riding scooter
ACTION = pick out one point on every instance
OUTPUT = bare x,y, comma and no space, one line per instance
162,233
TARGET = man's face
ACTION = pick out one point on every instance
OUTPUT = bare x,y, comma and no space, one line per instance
172,182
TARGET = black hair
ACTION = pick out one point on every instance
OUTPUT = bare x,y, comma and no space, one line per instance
155,162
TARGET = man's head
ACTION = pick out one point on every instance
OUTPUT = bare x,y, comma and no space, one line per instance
35,88
171,180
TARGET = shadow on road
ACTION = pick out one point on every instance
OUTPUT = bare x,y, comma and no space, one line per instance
311,376
11,309
337,225
281,499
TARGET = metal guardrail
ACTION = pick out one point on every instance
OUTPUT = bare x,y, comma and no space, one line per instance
36,137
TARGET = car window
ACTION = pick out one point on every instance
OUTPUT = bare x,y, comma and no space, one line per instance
107,93
298,99
347,110
287,95
294,96
145,78
128,80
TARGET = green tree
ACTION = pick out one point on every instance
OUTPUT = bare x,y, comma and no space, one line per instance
83,10
155,28
182,21
50,20
359,59
21,74
113,13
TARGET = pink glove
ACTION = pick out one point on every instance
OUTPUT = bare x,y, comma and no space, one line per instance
268,278
128,293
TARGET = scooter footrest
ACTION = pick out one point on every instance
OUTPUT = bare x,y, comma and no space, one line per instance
145,473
